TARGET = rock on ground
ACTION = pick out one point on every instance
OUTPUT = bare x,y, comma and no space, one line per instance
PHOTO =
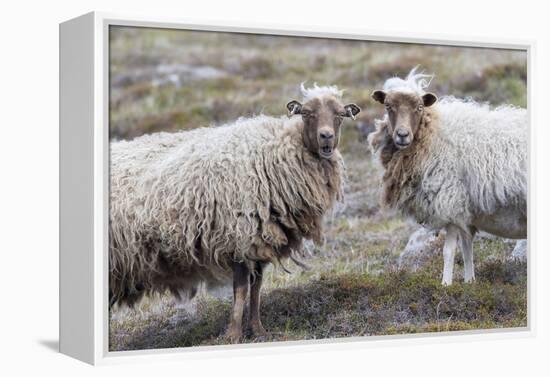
520,250
422,244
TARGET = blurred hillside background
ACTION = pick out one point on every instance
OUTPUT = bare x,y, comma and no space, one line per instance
169,80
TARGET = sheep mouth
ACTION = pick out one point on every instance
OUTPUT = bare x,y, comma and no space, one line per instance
402,144
326,152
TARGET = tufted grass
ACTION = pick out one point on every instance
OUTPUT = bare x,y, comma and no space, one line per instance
345,304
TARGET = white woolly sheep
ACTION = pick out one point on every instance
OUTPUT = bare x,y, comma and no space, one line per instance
456,165
201,206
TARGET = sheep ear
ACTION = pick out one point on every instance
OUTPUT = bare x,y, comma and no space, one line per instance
429,99
352,110
379,96
294,107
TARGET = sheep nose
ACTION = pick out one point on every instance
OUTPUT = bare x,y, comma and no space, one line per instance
326,135
402,132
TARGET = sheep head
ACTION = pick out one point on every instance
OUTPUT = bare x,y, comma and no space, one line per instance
322,114
405,101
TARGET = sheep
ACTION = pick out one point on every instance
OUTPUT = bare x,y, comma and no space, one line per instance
207,205
457,165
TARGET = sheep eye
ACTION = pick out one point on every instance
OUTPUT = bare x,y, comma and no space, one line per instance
420,108
388,107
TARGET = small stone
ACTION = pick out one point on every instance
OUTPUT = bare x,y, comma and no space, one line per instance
420,247
520,250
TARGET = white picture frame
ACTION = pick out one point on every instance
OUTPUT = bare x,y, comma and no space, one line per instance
84,169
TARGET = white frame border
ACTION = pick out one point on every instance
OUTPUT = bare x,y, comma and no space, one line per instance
102,21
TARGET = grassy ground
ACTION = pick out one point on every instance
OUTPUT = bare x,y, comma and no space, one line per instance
169,80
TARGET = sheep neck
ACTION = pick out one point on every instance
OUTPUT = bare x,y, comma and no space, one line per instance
402,167
313,184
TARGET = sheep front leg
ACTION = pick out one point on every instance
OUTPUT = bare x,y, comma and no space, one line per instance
241,279
467,246
255,286
449,254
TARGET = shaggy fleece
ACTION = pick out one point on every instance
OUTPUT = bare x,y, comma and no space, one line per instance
467,159
184,205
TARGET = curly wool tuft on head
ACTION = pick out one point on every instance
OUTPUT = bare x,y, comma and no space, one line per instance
413,83
320,91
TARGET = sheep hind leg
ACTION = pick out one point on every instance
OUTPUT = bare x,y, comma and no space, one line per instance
255,286
241,281
449,254
467,246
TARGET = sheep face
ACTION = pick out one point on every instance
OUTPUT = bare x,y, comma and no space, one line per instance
322,117
405,111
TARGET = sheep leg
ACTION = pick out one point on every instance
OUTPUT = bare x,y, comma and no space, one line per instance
255,286
241,279
449,254
467,246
